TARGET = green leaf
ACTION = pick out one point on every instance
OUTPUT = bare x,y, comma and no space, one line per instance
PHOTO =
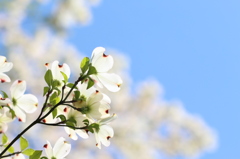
86,122
45,90
11,149
54,113
48,77
44,157
4,94
90,83
84,64
65,77
62,117
12,113
36,155
28,152
4,139
70,85
58,91
56,83
23,143
93,126
76,95
70,125
54,99
92,70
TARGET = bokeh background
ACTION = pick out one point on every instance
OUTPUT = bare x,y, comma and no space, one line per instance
179,61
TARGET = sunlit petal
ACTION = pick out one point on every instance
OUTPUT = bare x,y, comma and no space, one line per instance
111,81
18,88
28,103
4,78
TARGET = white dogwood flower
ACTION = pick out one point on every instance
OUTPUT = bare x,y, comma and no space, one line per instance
60,150
21,101
96,106
78,117
4,67
104,131
103,63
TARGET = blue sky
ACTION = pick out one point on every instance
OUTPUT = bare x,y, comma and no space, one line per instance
191,47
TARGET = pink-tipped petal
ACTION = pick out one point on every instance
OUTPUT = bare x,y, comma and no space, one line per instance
48,149
94,98
111,81
6,66
18,88
104,63
19,113
97,53
4,78
61,148
71,133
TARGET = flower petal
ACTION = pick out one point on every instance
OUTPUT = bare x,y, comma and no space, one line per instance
57,69
3,127
28,103
82,133
18,88
98,143
94,98
71,133
104,63
4,78
105,133
97,53
19,113
4,65
4,101
104,109
108,119
48,149
61,148
110,80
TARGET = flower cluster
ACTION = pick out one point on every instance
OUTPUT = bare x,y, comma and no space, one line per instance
78,107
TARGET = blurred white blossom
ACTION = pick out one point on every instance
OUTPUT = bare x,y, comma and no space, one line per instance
147,124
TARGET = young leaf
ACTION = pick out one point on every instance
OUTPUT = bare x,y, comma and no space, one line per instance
36,155
23,143
70,85
86,122
76,95
44,157
92,70
53,96
84,64
56,83
45,90
90,83
48,77
4,139
62,117
65,77
11,149
54,113
4,94
28,152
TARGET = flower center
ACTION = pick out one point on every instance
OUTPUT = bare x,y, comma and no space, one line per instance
14,101
85,110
